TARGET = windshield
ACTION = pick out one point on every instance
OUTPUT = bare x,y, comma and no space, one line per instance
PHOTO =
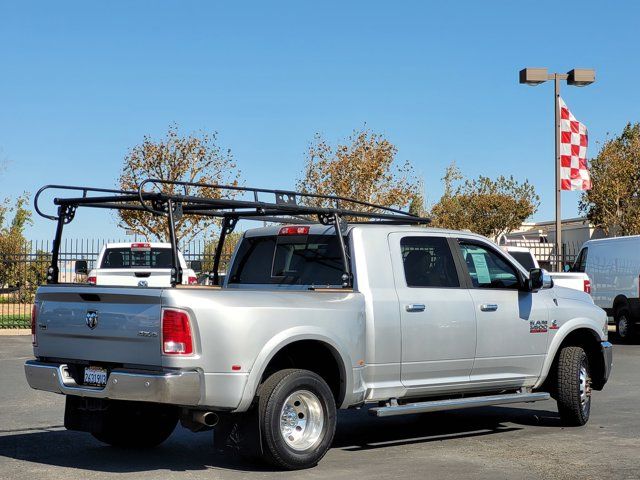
128,258
524,258
288,260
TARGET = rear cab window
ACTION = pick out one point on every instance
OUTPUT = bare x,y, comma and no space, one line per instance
524,258
123,257
306,260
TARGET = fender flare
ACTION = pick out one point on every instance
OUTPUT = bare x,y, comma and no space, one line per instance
287,337
560,336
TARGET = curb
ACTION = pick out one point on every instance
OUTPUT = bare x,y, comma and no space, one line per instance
14,331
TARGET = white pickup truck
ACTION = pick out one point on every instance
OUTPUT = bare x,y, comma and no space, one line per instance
135,264
575,280
311,318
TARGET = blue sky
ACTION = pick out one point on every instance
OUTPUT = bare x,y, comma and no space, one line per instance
82,82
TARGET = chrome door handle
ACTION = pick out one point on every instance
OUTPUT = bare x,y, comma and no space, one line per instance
489,307
415,307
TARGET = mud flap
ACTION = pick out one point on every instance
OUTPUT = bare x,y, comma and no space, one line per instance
85,414
239,434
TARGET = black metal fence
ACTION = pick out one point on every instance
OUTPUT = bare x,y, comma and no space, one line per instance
23,270
546,253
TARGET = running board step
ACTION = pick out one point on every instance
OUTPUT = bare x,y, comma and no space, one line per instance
452,404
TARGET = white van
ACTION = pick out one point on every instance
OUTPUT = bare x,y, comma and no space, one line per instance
613,265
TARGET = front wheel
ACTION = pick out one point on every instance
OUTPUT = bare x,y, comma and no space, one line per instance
574,386
298,418
624,326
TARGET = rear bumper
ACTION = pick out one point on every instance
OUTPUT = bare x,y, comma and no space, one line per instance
178,387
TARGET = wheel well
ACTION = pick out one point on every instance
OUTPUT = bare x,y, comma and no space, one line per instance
618,302
589,341
313,355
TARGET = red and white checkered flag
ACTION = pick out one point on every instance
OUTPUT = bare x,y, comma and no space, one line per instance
574,173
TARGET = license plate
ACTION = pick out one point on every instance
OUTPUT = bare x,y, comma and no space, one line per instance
95,376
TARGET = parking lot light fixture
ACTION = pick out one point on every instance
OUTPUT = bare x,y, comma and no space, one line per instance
533,76
581,77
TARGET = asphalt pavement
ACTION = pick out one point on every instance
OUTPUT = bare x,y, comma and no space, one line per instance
515,442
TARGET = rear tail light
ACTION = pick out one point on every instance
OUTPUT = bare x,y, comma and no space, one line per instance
34,319
92,280
192,280
294,231
176,333
587,286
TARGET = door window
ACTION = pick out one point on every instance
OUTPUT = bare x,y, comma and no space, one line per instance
581,261
428,262
486,268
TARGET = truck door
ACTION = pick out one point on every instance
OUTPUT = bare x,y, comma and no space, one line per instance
437,317
512,323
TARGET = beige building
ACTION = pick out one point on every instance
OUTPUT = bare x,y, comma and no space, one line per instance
574,231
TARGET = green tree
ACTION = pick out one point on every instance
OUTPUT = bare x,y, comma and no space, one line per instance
14,217
489,207
613,203
228,248
363,168
193,158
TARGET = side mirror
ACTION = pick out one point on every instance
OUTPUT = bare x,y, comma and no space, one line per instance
196,265
539,279
81,267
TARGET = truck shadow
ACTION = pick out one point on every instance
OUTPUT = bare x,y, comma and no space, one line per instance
357,431
185,451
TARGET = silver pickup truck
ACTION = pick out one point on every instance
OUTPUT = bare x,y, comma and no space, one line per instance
423,320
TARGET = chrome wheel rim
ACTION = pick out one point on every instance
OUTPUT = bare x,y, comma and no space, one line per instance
302,420
623,326
585,388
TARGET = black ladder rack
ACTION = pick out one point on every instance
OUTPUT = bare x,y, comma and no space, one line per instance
283,206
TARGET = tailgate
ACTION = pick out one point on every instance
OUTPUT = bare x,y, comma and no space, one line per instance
147,277
119,325
574,280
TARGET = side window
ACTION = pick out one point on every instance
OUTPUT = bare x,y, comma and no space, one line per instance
428,262
486,268
581,261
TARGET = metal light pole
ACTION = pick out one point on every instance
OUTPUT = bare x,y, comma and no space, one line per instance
579,77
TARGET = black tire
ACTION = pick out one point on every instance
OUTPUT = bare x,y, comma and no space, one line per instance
273,393
137,424
625,327
574,386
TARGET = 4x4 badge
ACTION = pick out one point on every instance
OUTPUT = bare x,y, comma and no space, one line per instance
91,319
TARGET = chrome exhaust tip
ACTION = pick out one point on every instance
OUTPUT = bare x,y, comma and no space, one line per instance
208,419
